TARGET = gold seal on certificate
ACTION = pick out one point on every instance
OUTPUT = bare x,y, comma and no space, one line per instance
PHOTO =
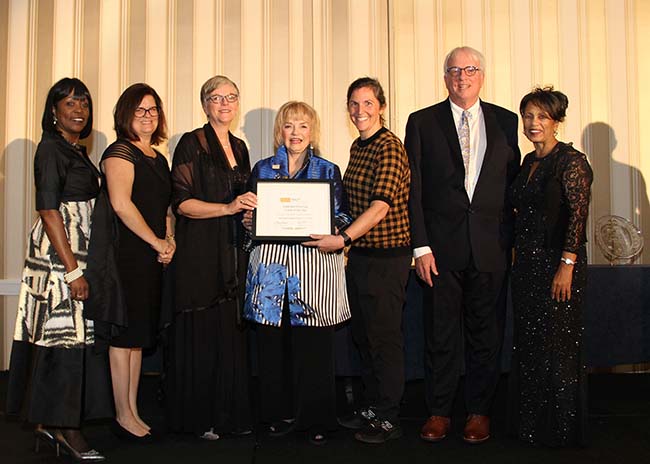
291,210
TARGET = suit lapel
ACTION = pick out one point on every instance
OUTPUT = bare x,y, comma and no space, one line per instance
491,129
446,123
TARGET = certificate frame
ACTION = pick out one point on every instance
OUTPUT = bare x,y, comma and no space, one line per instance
289,210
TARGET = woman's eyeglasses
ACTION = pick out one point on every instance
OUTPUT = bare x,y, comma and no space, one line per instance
219,99
140,112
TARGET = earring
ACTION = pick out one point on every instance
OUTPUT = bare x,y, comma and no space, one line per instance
55,120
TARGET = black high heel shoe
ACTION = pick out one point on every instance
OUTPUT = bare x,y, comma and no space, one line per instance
45,436
87,456
121,432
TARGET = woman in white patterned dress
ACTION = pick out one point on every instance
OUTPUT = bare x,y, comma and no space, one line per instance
55,380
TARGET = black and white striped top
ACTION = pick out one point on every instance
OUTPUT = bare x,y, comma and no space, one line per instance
314,282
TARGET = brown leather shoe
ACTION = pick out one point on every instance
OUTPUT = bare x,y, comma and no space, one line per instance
477,429
435,428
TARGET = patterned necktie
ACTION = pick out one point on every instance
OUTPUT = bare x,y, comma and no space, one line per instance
463,138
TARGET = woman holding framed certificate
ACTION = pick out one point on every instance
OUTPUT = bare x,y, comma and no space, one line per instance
377,182
296,295
207,377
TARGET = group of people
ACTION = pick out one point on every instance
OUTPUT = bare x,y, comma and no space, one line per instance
455,197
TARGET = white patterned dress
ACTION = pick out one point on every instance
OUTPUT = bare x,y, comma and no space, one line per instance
55,378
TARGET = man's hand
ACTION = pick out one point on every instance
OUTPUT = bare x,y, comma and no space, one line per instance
425,266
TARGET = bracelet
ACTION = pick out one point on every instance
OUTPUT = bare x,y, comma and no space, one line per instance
567,261
72,275
169,237
346,238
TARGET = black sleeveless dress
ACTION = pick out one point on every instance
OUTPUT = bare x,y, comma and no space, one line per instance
139,271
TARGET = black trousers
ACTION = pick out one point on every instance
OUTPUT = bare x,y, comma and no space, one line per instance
296,374
464,317
377,293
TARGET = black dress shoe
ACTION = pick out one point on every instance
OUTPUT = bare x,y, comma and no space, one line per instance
123,434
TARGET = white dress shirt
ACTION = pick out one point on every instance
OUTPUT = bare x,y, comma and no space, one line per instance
477,147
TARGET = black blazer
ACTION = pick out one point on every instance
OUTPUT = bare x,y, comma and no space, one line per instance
440,212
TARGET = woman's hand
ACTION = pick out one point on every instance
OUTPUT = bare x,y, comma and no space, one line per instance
244,202
160,245
165,257
561,286
326,243
79,289
247,221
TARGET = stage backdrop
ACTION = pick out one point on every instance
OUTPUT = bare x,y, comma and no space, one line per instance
276,50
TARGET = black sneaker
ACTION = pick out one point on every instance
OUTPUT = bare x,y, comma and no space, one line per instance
379,431
358,419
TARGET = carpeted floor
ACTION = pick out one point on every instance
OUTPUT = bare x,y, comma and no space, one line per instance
619,433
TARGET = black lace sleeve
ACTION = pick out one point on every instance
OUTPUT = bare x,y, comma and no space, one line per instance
576,187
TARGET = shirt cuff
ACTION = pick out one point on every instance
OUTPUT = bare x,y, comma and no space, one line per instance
421,251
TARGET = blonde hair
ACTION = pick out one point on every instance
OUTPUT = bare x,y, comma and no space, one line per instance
296,110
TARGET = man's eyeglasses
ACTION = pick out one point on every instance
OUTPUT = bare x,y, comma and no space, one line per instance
455,71
219,99
140,112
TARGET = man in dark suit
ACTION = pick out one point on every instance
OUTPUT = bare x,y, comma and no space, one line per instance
463,154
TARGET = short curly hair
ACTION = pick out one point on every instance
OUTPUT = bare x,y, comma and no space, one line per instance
554,102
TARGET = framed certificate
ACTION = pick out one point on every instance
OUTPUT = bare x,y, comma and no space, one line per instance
291,210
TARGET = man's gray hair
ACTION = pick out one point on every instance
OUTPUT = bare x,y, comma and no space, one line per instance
478,56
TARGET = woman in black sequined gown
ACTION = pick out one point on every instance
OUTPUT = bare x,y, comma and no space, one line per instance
551,197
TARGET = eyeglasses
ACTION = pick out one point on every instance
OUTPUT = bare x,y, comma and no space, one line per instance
219,99
140,112
455,71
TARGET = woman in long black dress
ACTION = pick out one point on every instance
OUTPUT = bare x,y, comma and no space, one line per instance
551,196
55,379
139,188
207,378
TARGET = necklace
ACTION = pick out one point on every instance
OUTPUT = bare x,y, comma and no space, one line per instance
74,145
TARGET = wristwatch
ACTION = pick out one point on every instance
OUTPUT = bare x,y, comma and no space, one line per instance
346,238
568,261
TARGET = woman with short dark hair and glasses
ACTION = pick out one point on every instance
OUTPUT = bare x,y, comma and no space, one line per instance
56,380
139,188
207,375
